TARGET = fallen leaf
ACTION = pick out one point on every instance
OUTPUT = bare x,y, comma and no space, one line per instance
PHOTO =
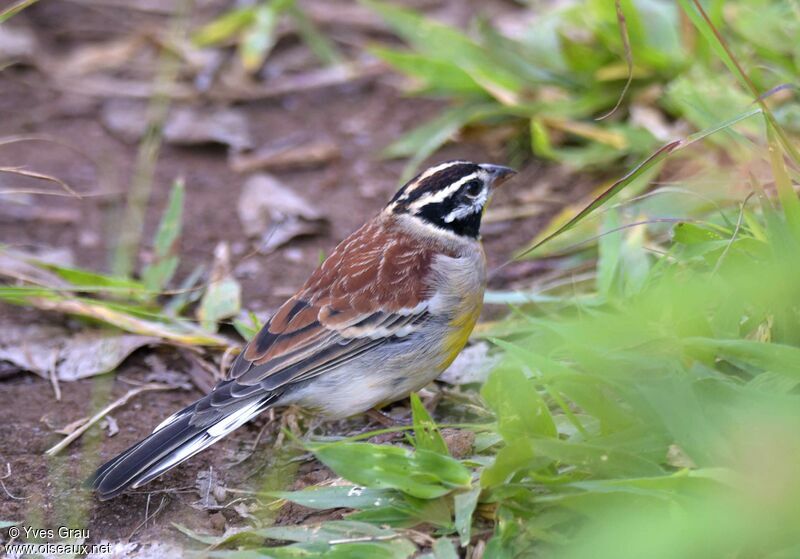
95,352
160,373
16,44
96,57
207,483
312,154
34,347
186,125
222,298
197,126
276,214
72,427
16,264
110,425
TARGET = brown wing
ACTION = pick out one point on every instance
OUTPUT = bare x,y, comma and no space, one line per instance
372,286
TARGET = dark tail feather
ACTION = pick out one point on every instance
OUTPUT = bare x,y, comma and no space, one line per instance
172,443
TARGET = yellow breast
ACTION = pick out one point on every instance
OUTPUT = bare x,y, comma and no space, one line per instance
457,339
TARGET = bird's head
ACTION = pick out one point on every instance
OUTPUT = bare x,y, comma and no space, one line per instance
450,196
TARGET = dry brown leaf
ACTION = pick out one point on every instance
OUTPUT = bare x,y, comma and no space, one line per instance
312,154
276,214
33,347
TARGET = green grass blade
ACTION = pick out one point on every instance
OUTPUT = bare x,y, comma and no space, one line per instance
15,8
159,272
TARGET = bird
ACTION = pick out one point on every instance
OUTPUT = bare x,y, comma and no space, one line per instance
383,315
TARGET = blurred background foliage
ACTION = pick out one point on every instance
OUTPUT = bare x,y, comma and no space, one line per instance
560,75
647,400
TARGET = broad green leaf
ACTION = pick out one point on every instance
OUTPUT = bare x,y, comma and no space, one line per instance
222,299
444,43
519,408
348,496
436,76
419,473
773,357
600,462
444,549
464,504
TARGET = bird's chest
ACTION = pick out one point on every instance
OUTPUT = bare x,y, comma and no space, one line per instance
462,285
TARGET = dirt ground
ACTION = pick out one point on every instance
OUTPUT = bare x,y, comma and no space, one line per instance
359,117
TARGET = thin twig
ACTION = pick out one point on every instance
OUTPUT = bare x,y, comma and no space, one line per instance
148,517
54,375
3,485
105,411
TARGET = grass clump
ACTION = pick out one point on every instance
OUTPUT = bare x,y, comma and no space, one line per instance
586,83
142,306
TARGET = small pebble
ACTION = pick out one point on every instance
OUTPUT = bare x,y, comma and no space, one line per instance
217,521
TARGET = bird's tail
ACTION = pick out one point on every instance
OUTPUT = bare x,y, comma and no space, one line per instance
179,437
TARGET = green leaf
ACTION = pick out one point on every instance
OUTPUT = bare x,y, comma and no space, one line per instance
464,504
225,27
427,138
249,329
609,248
521,412
517,455
443,548
436,76
352,497
317,41
426,433
165,260
601,461
773,357
421,473
93,282
221,300
788,197
444,43
257,41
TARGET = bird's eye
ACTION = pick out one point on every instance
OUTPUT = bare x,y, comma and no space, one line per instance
474,188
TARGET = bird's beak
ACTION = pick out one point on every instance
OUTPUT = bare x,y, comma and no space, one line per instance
499,173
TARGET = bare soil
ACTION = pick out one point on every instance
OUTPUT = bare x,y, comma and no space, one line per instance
360,117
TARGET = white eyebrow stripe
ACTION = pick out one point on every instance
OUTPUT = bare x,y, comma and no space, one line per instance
429,173
440,195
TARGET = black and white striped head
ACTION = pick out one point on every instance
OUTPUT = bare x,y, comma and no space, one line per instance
450,196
